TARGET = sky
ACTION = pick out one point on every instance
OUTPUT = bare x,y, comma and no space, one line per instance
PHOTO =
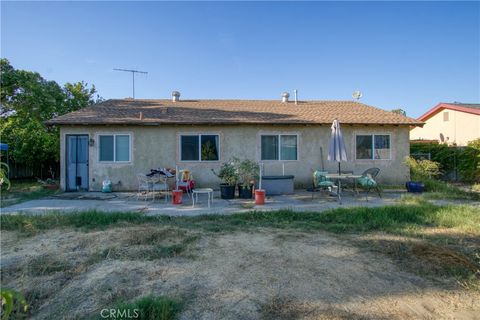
409,55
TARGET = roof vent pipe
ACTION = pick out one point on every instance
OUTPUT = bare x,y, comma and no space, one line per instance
285,97
175,96
296,95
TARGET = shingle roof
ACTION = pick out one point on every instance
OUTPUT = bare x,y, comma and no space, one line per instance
155,112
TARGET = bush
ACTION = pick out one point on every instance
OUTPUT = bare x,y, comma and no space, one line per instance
469,162
422,169
462,160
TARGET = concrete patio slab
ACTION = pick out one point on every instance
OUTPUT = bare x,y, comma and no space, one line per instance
127,202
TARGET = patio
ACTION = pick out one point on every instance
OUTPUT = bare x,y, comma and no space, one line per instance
125,201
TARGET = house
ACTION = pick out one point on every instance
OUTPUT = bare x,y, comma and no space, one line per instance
117,139
452,123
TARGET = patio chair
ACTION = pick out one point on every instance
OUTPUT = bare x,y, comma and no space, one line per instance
184,181
367,181
321,182
144,185
160,185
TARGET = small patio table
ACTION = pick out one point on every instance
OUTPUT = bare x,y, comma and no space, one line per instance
339,178
208,191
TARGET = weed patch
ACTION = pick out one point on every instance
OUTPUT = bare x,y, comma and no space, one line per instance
150,307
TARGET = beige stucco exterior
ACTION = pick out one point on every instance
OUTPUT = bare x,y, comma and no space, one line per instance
460,128
158,146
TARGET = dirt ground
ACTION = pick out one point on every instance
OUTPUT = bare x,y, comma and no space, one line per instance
266,274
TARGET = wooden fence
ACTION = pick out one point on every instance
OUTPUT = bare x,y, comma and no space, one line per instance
43,171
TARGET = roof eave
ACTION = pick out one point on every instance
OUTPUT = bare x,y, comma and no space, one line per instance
157,123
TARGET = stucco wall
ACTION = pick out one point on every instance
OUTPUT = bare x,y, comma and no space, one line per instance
156,146
460,128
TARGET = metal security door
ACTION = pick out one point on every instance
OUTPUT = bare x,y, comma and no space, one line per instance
77,163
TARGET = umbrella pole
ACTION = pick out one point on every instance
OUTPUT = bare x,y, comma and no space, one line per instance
339,186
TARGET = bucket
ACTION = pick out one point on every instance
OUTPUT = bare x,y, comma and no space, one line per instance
177,196
259,197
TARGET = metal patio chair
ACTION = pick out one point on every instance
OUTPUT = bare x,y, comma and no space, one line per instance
367,181
160,185
144,186
321,182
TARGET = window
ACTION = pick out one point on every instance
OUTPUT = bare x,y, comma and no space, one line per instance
114,148
278,147
199,147
373,147
445,116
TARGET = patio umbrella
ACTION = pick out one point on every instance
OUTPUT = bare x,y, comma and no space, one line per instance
336,149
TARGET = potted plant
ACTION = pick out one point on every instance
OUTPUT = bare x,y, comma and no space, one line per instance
248,171
228,174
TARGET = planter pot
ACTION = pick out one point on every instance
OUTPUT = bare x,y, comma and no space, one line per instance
51,186
415,186
227,191
245,193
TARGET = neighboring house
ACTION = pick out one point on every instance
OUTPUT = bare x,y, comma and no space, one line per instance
117,139
452,123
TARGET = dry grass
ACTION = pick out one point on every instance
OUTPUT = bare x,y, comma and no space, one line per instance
437,262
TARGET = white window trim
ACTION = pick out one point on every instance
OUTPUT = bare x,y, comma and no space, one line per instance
373,146
130,151
199,135
296,134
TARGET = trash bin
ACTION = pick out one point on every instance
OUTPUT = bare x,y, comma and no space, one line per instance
177,196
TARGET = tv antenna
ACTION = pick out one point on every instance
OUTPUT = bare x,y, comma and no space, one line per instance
133,77
356,95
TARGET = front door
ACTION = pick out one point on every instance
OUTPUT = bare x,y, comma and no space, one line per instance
77,162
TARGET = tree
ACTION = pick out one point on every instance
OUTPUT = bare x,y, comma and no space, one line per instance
400,111
27,101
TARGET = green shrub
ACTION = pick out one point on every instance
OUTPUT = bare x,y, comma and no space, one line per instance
469,162
464,160
4,181
422,169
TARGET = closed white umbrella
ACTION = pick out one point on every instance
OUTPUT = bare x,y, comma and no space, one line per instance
337,152
336,148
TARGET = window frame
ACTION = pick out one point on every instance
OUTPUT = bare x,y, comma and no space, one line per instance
373,146
199,136
279,150
130,147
